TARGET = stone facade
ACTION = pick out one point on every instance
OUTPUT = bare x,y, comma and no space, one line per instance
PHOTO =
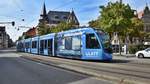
5,40
146,19
145,16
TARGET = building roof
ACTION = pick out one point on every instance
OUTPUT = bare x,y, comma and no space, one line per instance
58,16
144,12
31,32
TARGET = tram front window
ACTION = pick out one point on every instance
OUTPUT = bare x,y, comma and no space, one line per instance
92,42
105,41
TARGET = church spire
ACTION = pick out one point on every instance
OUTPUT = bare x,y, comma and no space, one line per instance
43,13
120,1
146,10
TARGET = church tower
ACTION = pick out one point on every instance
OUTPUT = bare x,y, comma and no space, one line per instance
43,15
146,10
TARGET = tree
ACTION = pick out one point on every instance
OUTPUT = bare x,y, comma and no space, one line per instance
116,17
136,29
63,26
43,28
119,18
95,23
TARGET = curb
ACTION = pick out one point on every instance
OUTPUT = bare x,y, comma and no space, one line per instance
79,70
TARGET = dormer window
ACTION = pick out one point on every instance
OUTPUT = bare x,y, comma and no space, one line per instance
64,17
56,17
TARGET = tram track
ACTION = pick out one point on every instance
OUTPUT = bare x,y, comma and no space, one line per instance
128,72
125,70
141,65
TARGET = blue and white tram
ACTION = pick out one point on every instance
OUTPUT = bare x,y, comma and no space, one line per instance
34,45
81,43
27,45
20,46
84,43
46,44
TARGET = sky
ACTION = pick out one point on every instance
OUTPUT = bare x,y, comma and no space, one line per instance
30,10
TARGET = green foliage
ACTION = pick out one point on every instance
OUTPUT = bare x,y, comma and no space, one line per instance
45,29
95,23
135,30
20,38
61,27
116,17
26,36
134,48
120,18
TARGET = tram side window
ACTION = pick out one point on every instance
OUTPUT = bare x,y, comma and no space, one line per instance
76,42
34,44
92,42
45,44
50,41
42,44
27,45
68,43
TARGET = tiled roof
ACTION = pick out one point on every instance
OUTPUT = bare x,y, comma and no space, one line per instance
58,16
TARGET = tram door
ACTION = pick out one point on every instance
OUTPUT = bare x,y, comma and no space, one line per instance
42,47
92,46
50,46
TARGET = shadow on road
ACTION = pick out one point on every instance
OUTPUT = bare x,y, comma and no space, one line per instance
100,61
109,61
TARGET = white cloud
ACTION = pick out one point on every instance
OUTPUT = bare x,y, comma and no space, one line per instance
10,3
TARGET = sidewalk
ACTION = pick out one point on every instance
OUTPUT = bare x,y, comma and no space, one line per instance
124,55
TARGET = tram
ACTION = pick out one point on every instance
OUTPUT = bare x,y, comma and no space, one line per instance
82,43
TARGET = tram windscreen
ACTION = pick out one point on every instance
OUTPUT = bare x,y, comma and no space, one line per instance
105,41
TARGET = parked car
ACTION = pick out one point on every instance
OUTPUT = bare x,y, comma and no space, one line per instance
143,53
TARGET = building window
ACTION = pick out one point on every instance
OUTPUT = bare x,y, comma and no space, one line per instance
56,17
56,22
65,17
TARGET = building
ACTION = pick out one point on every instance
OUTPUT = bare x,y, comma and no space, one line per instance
53,18
145,16
31,32
5,40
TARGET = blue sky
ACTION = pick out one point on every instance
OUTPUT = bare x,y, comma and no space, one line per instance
29,10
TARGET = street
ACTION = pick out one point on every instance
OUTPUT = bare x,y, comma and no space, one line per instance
124,70
16,70
75,42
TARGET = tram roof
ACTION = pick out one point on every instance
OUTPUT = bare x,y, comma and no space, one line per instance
86,29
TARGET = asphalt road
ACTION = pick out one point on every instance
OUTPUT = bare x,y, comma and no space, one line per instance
16,70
